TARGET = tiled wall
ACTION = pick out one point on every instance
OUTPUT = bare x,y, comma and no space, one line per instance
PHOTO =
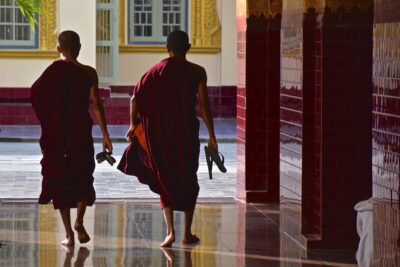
312,124
258,105
15,107
222,101
325,141
241,25
258,60
346,118
385,133
291,123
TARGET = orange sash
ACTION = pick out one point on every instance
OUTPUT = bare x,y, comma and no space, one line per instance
141,136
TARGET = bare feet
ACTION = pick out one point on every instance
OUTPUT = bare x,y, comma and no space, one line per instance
190,239
170,255
83,253
83,236
68,241
168,241
68,256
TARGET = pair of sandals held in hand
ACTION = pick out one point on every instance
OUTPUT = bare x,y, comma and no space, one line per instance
105,155
212,156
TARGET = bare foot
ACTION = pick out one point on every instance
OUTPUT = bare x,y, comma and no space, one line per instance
83,236
83,253
168,241
190,239
170,255
68,241
68,256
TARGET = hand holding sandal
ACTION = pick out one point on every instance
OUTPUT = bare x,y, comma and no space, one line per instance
213,155
105,155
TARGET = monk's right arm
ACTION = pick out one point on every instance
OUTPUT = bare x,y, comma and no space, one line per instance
99,113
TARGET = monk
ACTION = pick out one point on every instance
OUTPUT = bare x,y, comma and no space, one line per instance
164,133
60,98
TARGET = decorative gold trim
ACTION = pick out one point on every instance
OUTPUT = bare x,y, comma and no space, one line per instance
205,25
122,21
47,26
29,54
334,5
266,8
161,49
319,5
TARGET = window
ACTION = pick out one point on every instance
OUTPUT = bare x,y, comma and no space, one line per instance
15,30
150,21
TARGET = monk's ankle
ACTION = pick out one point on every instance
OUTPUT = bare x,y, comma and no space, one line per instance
171,233
78,224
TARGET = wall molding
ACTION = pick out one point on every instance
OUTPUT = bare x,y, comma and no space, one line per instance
29,54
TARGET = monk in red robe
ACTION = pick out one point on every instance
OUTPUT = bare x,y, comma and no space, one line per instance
60,98
164,133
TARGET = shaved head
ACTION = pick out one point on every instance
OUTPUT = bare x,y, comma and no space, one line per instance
69,41
178,42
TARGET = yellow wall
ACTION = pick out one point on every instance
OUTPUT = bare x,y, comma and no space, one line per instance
23,71
220,67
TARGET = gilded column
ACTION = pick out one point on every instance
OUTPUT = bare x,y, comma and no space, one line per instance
47,26
122,20
205,25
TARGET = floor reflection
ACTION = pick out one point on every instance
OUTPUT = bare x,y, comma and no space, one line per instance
129,234
83,254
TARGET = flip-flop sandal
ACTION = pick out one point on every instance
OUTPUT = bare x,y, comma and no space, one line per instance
213,156
209,162
100,157
111,160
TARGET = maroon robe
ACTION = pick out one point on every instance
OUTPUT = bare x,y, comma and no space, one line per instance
166,97
60,98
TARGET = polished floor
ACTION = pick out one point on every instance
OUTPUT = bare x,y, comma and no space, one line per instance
128,234
20,176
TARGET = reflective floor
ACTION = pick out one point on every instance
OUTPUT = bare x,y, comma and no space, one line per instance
20,176
128,234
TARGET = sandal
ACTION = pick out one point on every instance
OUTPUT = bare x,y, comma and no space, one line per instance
102,156
214,156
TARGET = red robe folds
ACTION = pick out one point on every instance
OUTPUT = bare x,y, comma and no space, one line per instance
60,98
166,97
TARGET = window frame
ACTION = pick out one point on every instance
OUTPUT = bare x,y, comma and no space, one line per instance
16,46
151,40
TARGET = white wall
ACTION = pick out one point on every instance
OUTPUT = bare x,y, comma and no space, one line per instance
80,16
21,72
229,38
133,66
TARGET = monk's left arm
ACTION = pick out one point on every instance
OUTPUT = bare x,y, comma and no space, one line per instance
134,111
